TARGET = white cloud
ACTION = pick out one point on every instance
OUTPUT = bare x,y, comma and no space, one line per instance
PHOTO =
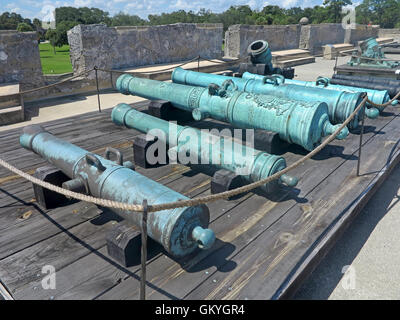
15,10
289,3
82,3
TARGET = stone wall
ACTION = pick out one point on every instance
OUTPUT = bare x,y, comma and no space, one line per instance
361,32
311,37
314,36
279,37
124,47
390,33
20,59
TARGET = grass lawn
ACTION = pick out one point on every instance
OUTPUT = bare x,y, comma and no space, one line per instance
55,63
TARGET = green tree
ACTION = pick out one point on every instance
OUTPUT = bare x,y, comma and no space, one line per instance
24,27
51,35
385,13
82,15
124,19
10,21
335,9
58,37
41,33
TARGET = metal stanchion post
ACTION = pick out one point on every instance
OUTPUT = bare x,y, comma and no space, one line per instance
98,91
111,80
21,100
361,136
144,252
337,55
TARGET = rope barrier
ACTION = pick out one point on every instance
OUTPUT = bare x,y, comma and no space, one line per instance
53,84
116,71
182,203
171,68
384,104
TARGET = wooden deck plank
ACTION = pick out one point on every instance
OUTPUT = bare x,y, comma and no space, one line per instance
104,271
264,264
185,183
238,223
267,213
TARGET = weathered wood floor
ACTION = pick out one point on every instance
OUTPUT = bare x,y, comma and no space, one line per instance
265,247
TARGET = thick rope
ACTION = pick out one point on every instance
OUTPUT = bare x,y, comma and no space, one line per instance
115,71
384,104
54,84
171,68
182,203
71,194
152,72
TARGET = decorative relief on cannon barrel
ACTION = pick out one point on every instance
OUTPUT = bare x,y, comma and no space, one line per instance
269,103
194,97
259,111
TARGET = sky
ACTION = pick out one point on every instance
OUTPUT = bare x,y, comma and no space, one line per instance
41,8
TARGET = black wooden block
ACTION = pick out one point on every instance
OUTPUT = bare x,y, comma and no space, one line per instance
141,143
260,68
224,180
246,67
263,69
45,198
165,110
288,73
228,73
269,142
124,244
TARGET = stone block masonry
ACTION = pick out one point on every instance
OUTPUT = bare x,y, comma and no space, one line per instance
314,36
20,59
309,37
125,47
390,33
361,32
280,37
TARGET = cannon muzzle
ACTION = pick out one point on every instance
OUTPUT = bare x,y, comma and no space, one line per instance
252,165
340,103
376,96
303,123
179,231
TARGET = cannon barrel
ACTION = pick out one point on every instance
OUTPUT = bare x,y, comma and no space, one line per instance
368,49
179,230
340,103
260,52
391,85
296,122
376,96
251,164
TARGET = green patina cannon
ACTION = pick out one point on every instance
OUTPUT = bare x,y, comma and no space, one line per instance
260,57
376,96
391,85
296,122
260,53
370,54
340,103
252,165
180,231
